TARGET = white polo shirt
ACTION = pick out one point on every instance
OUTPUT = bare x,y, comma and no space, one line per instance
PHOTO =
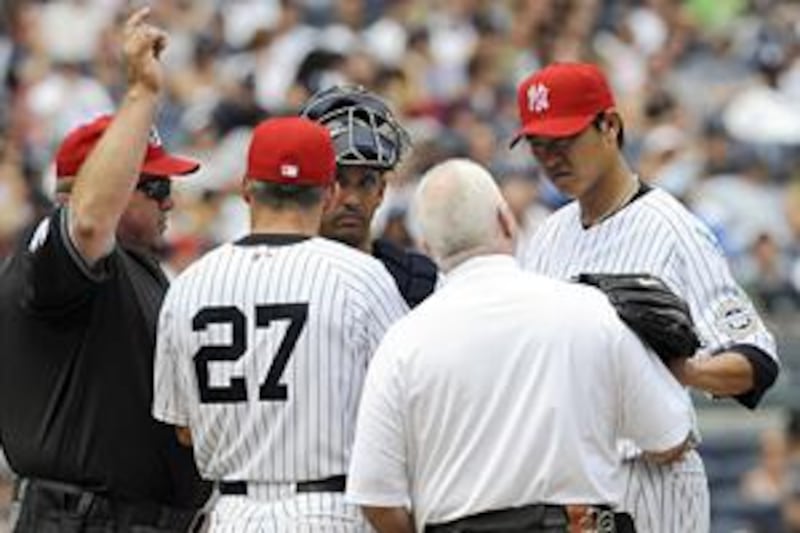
505,388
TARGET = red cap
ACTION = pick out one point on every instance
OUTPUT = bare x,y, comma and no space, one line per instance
561,100
79,143
292,151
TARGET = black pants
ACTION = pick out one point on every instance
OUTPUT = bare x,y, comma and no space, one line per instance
49,507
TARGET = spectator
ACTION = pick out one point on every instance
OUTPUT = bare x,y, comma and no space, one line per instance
764,484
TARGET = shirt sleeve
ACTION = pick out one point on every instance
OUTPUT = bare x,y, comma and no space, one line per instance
378,466
724,315
170,403
57,276
656,409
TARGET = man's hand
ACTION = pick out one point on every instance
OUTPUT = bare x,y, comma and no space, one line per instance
724,374
683,370
389,519
672,455
184,435
142,46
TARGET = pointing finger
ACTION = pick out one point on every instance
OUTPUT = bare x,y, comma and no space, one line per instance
137,18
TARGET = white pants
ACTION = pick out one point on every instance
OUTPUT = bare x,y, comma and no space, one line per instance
316,512
670,498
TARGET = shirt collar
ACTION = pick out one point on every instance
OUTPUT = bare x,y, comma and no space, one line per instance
480,264
272,239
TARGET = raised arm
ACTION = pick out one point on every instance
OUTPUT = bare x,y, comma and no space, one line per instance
106,180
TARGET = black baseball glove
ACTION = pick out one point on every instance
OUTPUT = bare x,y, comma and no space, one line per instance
660,317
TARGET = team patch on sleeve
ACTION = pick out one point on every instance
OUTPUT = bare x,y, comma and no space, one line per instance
736,317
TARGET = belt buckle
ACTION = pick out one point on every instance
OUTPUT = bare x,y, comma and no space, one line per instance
604,520
590,519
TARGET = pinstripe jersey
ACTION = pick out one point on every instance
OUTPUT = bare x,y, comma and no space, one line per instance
262,350
657,235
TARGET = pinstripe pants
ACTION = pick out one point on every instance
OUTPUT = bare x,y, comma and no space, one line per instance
670,498
322,512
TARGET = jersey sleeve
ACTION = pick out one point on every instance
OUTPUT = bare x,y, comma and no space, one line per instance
170,401
724,315
378,466
656,410
57,276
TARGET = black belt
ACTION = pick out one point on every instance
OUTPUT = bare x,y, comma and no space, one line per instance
41,494
330,484
539,518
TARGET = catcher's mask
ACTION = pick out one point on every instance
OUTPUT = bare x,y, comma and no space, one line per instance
363,128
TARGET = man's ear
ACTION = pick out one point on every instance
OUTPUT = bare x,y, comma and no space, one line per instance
423,246
610,125
330,195
507,223
246,194
386,175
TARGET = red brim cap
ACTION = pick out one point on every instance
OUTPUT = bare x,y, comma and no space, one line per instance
561,100
291,151
159,163
79,143
554,127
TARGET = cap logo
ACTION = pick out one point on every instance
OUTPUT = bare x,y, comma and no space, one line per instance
154,138
538,98
290,171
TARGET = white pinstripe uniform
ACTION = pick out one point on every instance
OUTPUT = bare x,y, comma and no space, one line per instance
657,235
262,350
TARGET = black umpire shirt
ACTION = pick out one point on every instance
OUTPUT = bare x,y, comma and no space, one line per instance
76,371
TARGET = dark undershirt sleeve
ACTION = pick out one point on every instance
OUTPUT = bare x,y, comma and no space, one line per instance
765,372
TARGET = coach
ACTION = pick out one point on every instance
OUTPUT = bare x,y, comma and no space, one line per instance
481,411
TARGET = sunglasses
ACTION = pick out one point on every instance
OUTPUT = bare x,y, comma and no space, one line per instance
155,189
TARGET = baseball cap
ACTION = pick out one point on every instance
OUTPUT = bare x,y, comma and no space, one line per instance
561,100
78,144
291,151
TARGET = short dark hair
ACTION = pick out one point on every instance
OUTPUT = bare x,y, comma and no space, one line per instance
282,196
601,118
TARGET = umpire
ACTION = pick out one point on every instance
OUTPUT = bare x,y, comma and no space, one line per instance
369,144
78,306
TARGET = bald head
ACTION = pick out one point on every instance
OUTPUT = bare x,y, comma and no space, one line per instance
461,213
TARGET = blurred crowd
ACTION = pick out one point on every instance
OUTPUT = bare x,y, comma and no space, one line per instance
710,90
769,493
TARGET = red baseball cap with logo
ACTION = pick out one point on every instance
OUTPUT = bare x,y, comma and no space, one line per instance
291,151
561,100
79,143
